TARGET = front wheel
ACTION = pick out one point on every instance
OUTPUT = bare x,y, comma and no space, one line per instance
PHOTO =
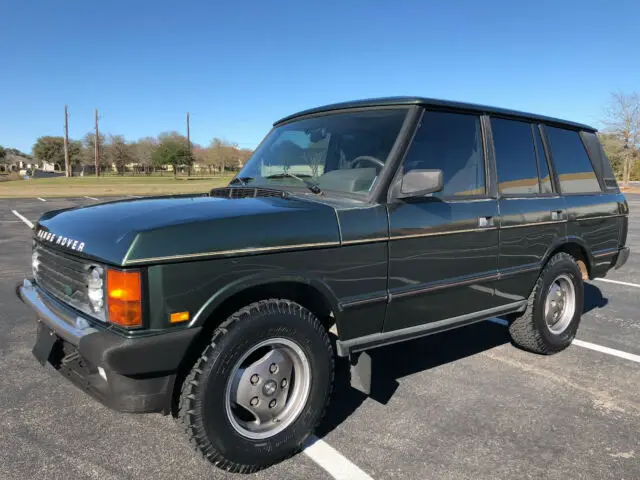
553,313
260,388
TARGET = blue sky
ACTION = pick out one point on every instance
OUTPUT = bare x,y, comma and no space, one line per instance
238,66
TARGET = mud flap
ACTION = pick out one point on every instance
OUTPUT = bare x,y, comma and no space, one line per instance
360,370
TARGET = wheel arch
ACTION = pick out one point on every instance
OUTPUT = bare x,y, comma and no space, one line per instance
578,249
312,294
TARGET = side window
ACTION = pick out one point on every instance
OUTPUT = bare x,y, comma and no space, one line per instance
600,161
451,142
515,157
543,164
572,163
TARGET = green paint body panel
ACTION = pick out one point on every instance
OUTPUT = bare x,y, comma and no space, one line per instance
143,231
379,264
370,263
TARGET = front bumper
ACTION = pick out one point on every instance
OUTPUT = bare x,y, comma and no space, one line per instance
126,374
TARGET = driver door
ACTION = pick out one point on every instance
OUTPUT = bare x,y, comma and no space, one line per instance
443,249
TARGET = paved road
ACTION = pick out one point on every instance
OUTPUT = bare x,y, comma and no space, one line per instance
464,404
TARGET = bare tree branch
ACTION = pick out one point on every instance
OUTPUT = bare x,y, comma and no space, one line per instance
622,118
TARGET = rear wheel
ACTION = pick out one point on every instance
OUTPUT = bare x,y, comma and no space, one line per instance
260,388
553,313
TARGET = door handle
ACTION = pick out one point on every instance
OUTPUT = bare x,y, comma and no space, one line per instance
485,222
557,215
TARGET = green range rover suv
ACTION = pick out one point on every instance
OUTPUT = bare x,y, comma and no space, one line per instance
381,220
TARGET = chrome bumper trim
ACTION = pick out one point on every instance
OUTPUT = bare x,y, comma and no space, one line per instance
64,322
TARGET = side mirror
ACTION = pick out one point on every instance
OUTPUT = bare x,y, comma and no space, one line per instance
417,183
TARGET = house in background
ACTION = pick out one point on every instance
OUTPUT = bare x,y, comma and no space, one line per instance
50,166
17,163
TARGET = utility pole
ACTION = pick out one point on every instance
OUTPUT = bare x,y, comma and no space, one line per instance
97,147
66,142
188,133
188,145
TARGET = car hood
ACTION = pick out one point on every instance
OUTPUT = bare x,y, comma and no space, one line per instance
161,229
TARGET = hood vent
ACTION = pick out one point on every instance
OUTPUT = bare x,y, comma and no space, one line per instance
244,192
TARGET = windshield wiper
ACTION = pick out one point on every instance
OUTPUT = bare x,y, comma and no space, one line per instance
241,180
310,185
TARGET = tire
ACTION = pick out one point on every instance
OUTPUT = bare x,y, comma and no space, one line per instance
221,429
532,331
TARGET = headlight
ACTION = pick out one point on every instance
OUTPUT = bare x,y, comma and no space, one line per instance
95,288
35,262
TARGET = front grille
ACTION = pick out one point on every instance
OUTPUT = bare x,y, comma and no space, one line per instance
64,277
245,192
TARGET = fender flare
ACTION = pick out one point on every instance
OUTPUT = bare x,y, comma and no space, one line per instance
571,239
245,283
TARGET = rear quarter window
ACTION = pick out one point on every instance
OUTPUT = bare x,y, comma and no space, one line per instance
573,166
600,161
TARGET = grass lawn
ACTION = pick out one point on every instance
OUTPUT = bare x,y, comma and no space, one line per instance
118,186
111,185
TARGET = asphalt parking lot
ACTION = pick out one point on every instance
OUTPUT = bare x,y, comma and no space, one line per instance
463,404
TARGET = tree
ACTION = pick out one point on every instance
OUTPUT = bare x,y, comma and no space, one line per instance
142,151
17,153
3,153
87,154
75,149
201,157
623,122
213,156
173,150
223,154
118,152
49,149
614,148
244,155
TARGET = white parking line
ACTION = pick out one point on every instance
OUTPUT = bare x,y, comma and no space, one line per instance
25,220
589,345
618,282
607,350
41,199
332,461
91,198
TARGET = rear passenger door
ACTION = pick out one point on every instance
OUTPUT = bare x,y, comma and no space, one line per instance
592,206
533,215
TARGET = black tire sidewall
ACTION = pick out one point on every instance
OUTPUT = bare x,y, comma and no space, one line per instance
236,342
563,266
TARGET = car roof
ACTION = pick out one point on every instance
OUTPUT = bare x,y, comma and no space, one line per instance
437,103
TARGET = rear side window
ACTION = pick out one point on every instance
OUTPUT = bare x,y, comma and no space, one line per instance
600,161
515,157
572,163
543,164
451,142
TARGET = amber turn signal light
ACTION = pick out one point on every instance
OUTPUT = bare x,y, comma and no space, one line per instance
178,317
124,295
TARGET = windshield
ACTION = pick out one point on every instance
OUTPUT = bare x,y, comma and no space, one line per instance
342,152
